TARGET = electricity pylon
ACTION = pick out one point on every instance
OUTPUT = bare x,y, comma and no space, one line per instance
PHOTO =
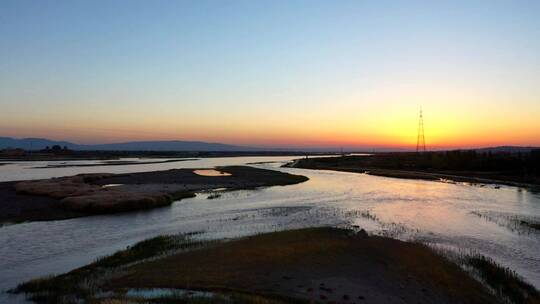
420,140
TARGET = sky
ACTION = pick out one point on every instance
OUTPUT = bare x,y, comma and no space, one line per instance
280,73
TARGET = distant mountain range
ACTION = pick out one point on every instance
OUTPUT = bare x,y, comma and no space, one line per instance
173,145
178,145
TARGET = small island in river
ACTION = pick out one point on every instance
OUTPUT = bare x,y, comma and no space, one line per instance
311,265
87,194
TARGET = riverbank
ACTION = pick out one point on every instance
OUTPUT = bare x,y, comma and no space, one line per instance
323,265
113,163
75,155
87,194
406,166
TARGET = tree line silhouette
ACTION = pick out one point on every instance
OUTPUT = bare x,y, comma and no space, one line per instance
515,166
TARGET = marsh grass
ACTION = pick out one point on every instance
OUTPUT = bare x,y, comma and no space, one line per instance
236,298
145,249
503,281
533,225
514,222
214,196
84,282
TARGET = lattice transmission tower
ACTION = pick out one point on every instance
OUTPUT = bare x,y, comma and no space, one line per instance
420,140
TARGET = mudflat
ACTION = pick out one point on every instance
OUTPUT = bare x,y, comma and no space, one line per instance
86,194
321,265
314,264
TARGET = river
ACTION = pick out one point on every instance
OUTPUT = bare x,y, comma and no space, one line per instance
455,216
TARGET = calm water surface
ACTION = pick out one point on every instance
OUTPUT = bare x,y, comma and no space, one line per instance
455,216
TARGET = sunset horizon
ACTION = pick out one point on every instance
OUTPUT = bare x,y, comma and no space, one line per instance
403,137
314,145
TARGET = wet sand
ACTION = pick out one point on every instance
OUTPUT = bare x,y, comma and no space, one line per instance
86,194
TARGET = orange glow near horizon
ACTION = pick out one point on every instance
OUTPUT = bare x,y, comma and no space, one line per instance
392,132
360,120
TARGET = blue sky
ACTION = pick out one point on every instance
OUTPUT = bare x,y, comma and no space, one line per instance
271,72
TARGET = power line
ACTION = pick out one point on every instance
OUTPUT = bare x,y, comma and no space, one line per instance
420,140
